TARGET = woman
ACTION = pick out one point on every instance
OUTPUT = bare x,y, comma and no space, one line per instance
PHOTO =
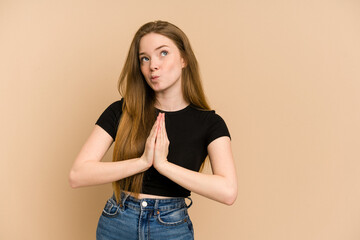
163,130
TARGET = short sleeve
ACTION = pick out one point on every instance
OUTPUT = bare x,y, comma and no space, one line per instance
217,128
109,119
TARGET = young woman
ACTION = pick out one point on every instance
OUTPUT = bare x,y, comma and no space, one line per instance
163,130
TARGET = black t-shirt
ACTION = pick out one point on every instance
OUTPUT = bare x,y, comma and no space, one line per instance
189,131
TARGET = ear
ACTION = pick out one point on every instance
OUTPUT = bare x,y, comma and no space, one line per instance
183,63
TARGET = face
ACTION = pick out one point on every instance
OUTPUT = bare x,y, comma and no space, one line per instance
160,62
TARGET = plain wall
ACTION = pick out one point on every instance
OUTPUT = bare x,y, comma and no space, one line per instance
285,76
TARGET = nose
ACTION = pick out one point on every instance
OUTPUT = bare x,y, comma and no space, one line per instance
154,64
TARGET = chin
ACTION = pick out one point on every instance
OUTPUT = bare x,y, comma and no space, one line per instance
157,88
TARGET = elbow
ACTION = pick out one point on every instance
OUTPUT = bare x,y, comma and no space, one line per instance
73,180
230,196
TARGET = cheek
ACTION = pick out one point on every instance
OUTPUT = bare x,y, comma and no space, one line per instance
174,65
143,70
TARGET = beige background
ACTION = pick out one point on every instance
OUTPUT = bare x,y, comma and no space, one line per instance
285,75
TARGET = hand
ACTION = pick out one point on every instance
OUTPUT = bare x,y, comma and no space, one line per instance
148,155
161,144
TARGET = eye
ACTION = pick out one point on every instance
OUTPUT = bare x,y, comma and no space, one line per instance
164,53
144,59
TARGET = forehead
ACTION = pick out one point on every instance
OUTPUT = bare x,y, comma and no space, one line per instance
152,41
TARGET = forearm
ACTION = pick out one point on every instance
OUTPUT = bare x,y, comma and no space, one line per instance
95,173
215,187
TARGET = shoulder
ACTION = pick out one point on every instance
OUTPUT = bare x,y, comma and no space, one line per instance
110,117
213,124
114,109
208,116
116,105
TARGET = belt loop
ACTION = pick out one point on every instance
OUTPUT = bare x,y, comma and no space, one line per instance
123,199
156,210
191,202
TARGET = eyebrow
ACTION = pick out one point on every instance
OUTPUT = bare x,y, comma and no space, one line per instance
143,53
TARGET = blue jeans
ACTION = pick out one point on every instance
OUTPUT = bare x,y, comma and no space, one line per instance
141,219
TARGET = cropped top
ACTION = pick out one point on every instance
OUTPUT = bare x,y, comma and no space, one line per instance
189,131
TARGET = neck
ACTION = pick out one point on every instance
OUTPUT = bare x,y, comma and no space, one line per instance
170,102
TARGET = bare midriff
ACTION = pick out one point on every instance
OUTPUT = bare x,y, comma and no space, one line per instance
143,195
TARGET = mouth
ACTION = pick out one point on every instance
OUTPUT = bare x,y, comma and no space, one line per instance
153,78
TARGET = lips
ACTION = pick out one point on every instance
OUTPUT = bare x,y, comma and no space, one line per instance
155,77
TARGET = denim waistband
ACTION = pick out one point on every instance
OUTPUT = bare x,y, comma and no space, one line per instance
152,203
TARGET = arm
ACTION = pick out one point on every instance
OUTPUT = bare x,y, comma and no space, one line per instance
221,186
89,170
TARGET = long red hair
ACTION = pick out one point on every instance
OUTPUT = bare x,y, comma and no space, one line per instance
138,111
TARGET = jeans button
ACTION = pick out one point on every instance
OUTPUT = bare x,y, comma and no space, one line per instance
144,203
